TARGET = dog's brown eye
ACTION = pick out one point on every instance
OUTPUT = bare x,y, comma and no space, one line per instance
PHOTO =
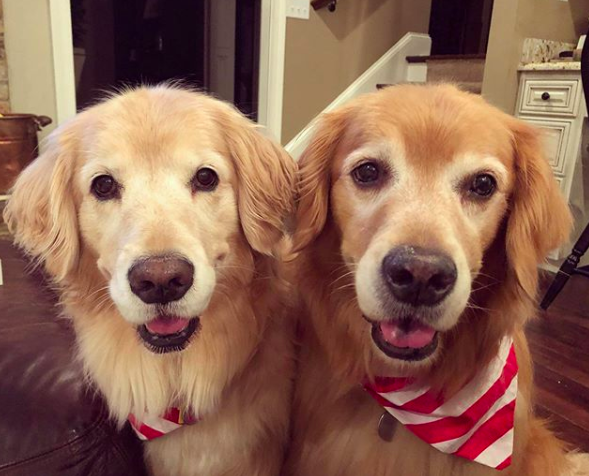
366,174
104,187
205,179
483,185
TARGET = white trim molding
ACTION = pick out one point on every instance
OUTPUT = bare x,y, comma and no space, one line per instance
63,59
391,68
271,73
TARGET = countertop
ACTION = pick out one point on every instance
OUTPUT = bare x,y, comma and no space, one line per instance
551,66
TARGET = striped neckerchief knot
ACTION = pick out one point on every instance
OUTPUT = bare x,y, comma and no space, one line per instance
149,426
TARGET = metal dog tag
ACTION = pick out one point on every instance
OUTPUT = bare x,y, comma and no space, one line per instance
386,426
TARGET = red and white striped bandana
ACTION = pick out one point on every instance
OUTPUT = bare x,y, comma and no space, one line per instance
150,427
476,423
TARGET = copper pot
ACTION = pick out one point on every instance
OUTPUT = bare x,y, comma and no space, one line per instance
18,145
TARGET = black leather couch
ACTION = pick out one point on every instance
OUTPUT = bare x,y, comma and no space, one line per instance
51,422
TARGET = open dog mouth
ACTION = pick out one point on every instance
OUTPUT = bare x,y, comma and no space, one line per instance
168,333
405,339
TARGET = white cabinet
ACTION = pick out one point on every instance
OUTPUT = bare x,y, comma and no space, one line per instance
553,101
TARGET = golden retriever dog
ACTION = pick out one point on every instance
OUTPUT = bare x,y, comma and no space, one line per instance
158,214
423,214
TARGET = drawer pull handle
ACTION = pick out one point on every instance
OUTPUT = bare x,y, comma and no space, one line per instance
545,96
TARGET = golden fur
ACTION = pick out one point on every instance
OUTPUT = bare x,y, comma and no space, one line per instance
426,135
236,373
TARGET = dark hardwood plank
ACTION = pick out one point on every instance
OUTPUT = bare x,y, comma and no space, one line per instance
566,430
568,366
551,339
562,396
559,342
551,329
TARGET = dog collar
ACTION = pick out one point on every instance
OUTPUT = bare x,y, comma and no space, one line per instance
476,423
150,426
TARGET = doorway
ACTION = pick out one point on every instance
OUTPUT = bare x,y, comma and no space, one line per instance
211,45
460,27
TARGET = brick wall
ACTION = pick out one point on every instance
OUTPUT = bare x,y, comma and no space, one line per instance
4,95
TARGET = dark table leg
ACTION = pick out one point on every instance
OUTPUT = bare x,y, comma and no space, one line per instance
568,268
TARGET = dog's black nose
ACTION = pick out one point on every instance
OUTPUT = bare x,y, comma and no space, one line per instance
161,279
418,276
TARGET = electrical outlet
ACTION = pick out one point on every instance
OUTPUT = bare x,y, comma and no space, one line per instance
298,9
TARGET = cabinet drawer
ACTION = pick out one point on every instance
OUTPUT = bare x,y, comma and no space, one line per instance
556,97
556,140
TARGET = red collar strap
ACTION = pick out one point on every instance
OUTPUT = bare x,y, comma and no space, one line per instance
150,427
476,423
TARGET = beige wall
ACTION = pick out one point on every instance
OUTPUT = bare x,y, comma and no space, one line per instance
38,35
4,96
326,53
30,58
515,20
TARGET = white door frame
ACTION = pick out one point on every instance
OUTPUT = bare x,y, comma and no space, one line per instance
271,79
271,69
63,59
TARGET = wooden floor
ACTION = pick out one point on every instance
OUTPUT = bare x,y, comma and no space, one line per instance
559,340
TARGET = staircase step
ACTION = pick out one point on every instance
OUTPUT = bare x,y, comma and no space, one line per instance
467,71
423,59
474,87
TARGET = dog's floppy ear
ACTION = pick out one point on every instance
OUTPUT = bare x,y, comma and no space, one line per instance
266,182
314,182
539,219
41,211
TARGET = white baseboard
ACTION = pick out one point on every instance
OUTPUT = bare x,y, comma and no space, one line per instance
391,68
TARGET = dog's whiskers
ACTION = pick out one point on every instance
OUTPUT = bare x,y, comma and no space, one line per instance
345,287
482,288
97,291
476,307
343,276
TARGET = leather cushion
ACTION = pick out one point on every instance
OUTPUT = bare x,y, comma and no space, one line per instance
51,421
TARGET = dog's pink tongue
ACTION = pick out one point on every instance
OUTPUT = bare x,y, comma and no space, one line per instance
167,325
415,336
